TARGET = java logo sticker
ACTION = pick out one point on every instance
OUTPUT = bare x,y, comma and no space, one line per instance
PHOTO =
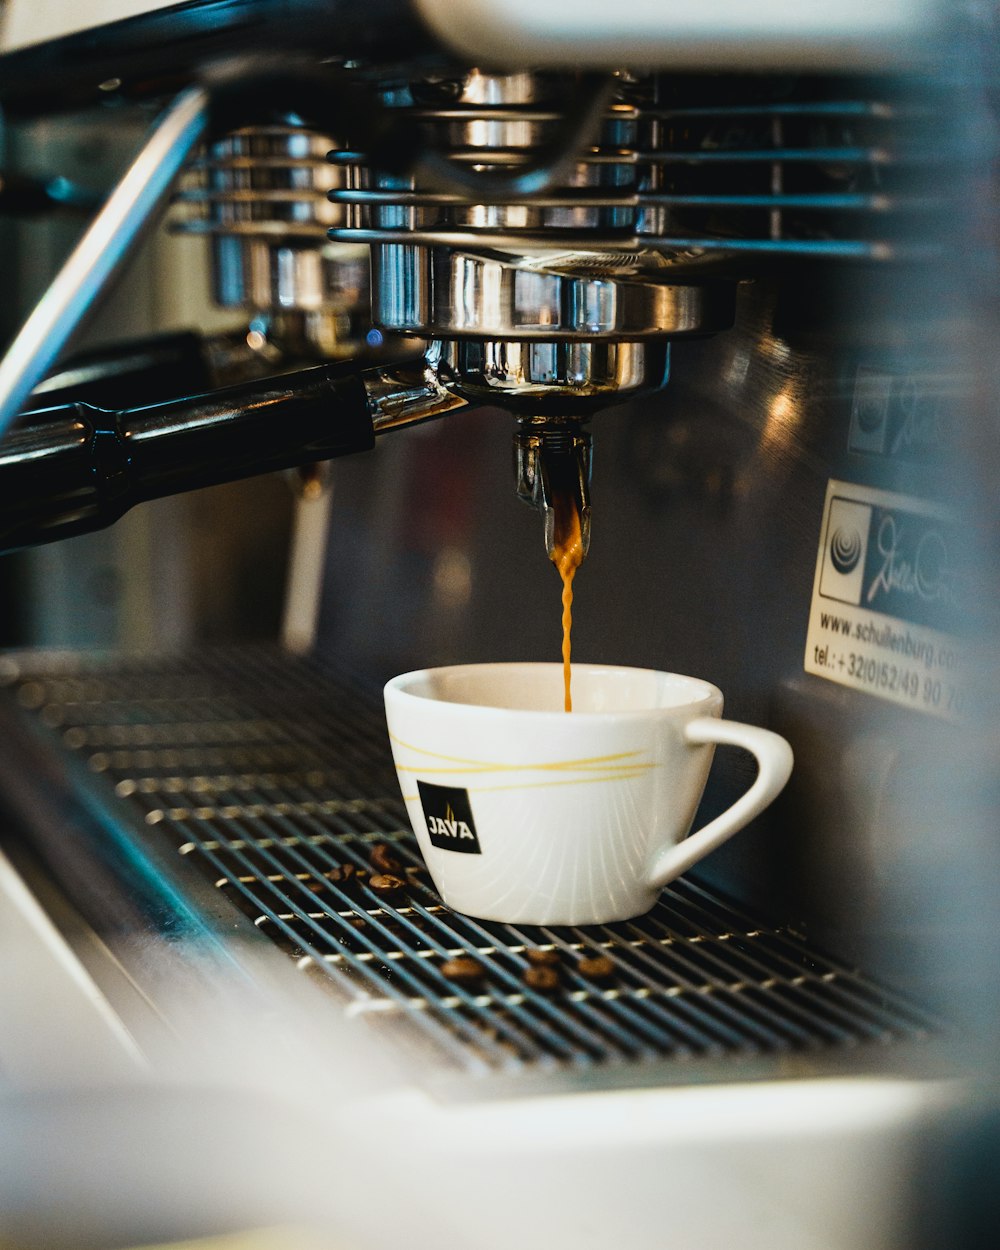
449,818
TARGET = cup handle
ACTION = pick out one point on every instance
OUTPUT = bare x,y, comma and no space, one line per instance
774,767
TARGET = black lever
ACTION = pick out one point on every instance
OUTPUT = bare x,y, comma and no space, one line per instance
75,468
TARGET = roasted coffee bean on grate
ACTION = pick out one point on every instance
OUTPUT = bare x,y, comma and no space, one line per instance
464,970
544,979
597,967
341,874
387,884
384,860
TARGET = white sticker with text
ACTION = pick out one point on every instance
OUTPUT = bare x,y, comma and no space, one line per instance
887,601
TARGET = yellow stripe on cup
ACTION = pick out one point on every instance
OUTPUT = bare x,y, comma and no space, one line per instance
595,768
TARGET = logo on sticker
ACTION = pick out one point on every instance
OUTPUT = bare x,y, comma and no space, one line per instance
849,527
448,814
845,550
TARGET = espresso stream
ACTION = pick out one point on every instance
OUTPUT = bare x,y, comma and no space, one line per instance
567,556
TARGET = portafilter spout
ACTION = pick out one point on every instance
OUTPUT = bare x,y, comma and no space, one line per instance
552,461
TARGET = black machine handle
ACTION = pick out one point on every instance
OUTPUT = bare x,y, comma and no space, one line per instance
75,468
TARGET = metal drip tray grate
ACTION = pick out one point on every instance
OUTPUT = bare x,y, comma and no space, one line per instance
273,779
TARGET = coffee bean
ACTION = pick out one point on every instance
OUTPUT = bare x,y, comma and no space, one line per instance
383,859
387,884
464,970
341,874
597,967
545,979
543,958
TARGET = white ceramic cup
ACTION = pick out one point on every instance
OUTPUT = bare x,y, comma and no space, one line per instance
529,814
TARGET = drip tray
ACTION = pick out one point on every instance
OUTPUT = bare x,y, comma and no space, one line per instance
271,777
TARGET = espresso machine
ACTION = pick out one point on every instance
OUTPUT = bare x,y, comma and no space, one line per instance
726,277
